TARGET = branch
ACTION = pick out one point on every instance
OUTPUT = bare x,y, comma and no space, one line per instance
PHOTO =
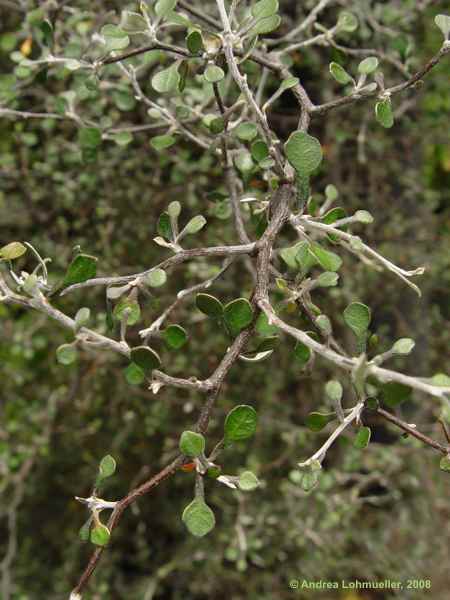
413,431
176,259
322,109
348,364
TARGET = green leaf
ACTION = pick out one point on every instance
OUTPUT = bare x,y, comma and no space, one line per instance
134,374
82,268
161,142
368,65
194,42
209,305
444,463
12,251
164,227
175,336
192,444
115,37
324,324
156,278
363,216
331,192
30,284
124,100
347,21
248,481
240,423
246,131
357,316
265,8
298,256
195,224
440,379
339,73
112,293
304,152
123,138
403,346
66,354
309,480
333,390
174,209
266,25
327,279
198,518
263,327
217,125
164,7
214,472
362,438
107,467
82,317
384,114
328,260
394,393
316,421
443,22
213,74
268,343
238,314
167,80
100,535
89,137
334,215
46,29
259,150
302,353
85,530
288,83
133,308
146,358
243,161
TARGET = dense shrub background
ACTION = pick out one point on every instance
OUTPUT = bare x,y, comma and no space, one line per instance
381,514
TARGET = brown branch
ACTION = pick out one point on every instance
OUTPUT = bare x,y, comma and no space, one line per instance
143,49
322,109
413,431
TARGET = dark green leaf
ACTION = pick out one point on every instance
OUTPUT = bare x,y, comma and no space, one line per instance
240,423
175,336
304,152
394,393
317,421
209,305
302,353
238,314
100,535
146,358
134,374
357,317
192,444
362,438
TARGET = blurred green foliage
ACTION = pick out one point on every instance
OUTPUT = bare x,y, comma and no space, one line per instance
381,513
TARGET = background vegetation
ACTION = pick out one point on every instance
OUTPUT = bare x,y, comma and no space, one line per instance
379,514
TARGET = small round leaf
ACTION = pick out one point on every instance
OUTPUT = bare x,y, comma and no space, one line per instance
209,305
198,518
175,336
146,358
240,423
192,444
